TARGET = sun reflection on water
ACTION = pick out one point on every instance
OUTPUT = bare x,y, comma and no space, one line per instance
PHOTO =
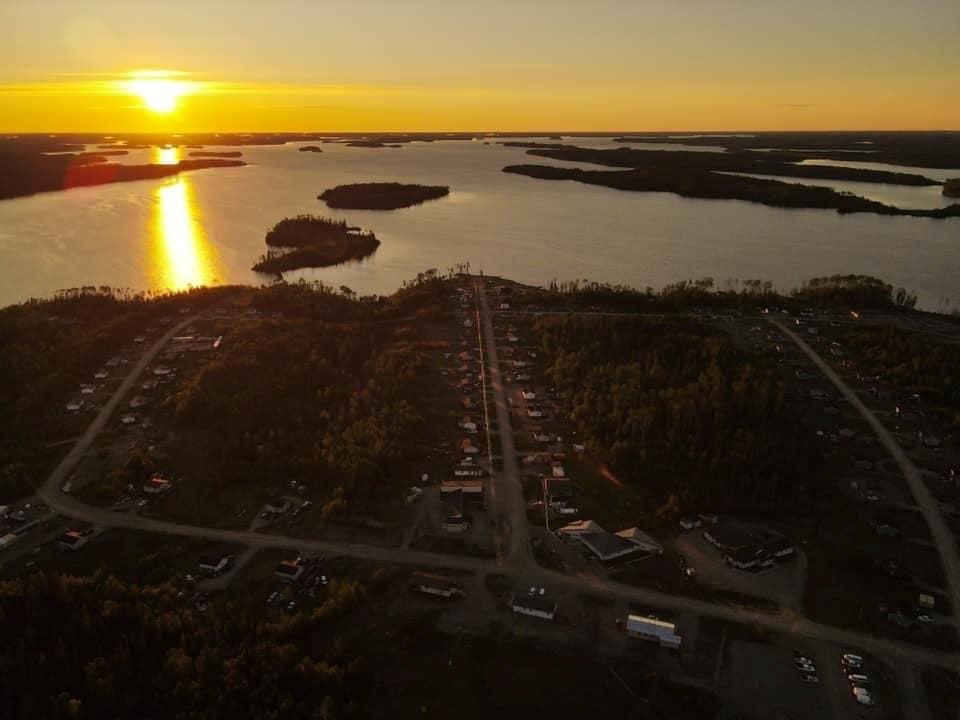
182,257
166,155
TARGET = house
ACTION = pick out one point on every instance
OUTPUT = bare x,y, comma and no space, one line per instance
649,628
556,469
534,412
215,564
539,606
472,490
101,375
157,486
289,570
455,520
607,546
468,448
161,370
277,506
74,540
138,401
8,540
542,437
468,425
467,402
643,541
74,405
579,448
574,530
689,522
512,338
128,419
435,585
528,395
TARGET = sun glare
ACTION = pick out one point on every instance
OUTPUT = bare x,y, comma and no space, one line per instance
158,92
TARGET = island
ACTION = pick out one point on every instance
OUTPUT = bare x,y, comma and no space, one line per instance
381,196
217,154
311,148
951,188
308,241
371,144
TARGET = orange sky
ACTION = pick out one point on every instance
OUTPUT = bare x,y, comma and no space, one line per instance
427,65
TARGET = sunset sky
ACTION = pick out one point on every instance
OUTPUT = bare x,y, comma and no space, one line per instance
433,65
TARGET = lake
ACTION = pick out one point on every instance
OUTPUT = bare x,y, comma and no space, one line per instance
208,227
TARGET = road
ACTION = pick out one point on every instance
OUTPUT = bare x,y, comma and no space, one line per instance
519,565
942,535
509,506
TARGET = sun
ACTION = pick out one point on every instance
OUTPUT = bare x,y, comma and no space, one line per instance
158,92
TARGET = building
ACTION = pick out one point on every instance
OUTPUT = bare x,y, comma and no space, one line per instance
648,628
8,540
157,486
215,564
607,546
73,540
575,530
539,606
289,570
468,448
643,541
435,585
467,424
747,548
455,520
528,395
277,506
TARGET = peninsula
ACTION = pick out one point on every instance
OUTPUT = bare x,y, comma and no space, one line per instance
718,176
27,173
381,196
312,241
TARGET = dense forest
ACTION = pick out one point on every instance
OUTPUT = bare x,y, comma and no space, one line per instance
315,242
913,363
99,647
381,196
676,409
298,399
836,292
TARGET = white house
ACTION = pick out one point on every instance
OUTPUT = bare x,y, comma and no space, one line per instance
436,585
556,469
215,565
528,394
659,631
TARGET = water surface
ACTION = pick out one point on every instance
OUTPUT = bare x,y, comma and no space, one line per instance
208,227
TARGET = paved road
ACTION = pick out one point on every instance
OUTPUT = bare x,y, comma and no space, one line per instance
520,565
942,535
510,508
